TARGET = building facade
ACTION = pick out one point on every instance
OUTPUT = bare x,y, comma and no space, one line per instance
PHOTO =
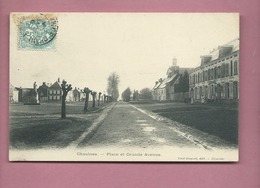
174,87
13,94
43,92
76,94
55,92
217,78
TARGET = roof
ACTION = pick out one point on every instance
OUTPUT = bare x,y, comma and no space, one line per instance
167,80
12,88
76,90
157,85
179,69
56,85
182,70
234,44
229,48
43,86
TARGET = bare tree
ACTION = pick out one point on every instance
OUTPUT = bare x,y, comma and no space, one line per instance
93,93
86,91
112,85
65,89
99,96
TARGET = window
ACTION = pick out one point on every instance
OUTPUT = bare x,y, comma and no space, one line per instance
50,97
235,68
227,90
200,93
58,91
50,92
231,96
54,98
211,74
223,70
54,91
206,92
219,72
227,69
231,68
58,97
235,90
215,72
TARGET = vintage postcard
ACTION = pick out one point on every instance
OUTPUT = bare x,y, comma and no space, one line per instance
155,87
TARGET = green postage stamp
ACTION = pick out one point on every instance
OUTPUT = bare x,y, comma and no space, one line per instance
37,31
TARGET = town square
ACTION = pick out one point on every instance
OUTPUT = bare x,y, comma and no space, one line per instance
138,92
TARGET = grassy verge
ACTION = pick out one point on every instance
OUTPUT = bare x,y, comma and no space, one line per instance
20,109
221,121
36,133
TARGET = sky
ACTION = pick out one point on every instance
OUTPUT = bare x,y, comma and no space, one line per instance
139,47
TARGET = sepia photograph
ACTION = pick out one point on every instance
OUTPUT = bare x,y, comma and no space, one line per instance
124,87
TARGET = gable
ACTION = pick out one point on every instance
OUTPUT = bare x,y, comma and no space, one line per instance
56,85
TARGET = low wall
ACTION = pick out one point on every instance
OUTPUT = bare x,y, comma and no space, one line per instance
181,97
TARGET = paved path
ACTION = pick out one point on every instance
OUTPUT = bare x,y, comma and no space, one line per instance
126,127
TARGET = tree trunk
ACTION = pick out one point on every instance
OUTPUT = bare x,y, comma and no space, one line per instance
94,103
65,89
63,107
86,102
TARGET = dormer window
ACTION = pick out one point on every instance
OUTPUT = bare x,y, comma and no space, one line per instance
205,59
224,50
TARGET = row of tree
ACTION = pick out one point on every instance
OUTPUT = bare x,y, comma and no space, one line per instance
112,90
145,94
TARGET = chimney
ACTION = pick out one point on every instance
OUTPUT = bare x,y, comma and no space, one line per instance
44,83
156,82
174,62
160,80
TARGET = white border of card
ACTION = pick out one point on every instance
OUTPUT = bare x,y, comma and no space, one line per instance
155,87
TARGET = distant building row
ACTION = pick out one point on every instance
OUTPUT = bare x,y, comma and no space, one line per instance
45,92
216,79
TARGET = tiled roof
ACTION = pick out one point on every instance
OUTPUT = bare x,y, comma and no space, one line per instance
157,85
56,85
234,44
167,80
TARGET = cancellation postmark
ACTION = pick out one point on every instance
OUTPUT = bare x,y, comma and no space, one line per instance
37,31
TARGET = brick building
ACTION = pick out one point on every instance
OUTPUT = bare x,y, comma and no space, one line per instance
217,78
